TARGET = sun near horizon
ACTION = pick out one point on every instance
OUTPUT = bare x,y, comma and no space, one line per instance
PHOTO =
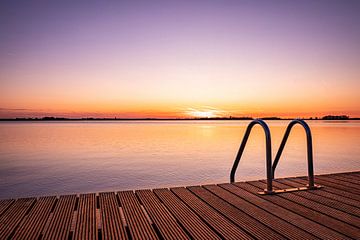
179,59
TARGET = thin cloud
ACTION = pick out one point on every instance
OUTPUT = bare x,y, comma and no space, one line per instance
14,109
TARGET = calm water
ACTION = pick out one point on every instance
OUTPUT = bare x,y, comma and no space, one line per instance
42,158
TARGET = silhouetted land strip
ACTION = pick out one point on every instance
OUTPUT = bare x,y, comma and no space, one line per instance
222,211
329,117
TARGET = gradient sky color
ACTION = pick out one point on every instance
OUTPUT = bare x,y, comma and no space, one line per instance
179,58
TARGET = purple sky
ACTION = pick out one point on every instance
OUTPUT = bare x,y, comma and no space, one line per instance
140,58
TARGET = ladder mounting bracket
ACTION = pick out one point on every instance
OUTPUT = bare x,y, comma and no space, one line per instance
305,188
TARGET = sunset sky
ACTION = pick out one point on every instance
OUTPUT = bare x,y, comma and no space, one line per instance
179,58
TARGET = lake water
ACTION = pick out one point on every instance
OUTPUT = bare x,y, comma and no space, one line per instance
51,158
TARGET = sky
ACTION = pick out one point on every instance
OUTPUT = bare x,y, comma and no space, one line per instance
171,59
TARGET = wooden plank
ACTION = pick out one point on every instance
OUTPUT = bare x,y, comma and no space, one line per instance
324,192
351,176
196,228
12,217
339,184
319,207
33,224
254,227
139,226
284,210
112,226
353,173
341,180
285,200
334,188
5,204
218,222
86,226
311,195
226,211
345,179
271,217
160,216
60,223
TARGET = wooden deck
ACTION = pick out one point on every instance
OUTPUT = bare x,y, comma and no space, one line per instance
223,211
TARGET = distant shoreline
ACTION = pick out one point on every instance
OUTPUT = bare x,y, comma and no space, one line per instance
326,118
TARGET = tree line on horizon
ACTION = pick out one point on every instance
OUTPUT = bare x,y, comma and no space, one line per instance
327,117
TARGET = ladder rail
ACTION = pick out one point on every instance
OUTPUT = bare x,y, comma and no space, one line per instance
269,171
306,127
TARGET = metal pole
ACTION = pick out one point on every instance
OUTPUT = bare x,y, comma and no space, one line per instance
309,149
269,171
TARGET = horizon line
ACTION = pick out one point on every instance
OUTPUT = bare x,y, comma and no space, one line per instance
50,118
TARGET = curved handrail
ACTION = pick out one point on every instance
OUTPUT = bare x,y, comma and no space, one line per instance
309,149
269,171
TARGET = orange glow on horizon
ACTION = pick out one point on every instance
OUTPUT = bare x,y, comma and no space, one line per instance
175,111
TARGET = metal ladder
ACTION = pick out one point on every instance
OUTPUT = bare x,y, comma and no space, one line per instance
270,167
